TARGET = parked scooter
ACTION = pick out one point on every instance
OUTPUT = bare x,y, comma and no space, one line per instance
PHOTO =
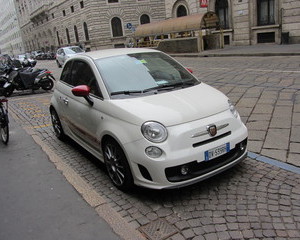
27,78
28,62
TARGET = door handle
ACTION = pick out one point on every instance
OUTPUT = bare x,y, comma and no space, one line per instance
66,101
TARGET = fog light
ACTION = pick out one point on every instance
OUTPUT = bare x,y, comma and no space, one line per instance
153,152
184,170
243,146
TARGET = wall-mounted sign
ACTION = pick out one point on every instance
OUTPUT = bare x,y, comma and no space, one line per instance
129,25
203,3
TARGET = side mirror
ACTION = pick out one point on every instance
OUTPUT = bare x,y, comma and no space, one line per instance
83,91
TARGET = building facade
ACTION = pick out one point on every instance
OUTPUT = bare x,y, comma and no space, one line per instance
10,40
247,22
91,24
96,24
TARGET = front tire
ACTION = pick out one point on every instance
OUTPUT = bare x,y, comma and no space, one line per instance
117,165
8,91
57,127
4,128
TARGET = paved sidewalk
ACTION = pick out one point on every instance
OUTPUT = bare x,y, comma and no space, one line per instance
252,50
36,201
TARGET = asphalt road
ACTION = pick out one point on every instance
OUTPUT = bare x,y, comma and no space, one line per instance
254,200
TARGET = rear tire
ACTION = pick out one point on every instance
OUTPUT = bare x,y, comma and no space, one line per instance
46,84
57,127
117,165
58,64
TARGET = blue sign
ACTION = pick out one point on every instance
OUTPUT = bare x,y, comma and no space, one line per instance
129,25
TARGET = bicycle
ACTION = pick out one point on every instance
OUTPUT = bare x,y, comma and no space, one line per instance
4,129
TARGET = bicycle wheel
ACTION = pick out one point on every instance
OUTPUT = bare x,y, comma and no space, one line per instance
4,129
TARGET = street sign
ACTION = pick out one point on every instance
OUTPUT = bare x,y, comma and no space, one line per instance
203,3
129,25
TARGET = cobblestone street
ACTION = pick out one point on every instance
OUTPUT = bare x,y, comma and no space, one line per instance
254,200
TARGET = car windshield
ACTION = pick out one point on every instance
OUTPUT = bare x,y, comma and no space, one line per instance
73,50
140,73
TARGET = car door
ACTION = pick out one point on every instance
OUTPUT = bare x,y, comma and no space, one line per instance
59,56
63,86
84,118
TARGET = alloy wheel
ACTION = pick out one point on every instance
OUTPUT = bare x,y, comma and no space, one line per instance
114,165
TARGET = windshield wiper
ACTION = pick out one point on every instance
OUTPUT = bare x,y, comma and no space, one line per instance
126,92
171,86
162,87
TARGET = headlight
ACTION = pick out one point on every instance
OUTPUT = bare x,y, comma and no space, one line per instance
233,109
154,132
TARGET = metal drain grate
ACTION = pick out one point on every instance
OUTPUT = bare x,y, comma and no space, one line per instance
158,230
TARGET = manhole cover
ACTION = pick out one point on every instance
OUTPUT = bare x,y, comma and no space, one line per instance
158,230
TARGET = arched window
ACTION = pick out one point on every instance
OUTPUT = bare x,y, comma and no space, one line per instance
145,19
221,8
265,12
181,11
76,34
68,36
86,31
116,26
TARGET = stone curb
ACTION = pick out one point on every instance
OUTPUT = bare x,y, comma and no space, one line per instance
234,54
96,201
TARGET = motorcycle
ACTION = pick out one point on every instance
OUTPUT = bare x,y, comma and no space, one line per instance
23,79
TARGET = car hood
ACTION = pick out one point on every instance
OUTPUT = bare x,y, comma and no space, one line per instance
171,108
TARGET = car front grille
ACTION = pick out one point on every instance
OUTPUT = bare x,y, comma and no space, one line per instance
211,139
196,169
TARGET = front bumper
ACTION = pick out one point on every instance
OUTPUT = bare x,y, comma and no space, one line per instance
181,149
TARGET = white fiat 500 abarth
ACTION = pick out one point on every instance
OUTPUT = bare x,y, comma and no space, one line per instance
147,118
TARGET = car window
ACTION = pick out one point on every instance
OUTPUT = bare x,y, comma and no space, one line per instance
65,75
73,50
82,74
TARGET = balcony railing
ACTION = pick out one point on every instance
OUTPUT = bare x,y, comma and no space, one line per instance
40,13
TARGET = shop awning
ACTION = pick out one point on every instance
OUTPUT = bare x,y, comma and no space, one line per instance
182,24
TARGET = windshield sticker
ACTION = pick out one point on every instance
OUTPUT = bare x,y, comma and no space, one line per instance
140,61
137,62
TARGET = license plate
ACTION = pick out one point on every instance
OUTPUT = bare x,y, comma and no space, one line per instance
216,152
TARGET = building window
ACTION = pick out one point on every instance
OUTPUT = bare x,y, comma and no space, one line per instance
76,34
58,39
145,19
68,35
113,1
72,9
116,26
81,4
221,8
265,12
64,13
52,15
181,11
86,31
